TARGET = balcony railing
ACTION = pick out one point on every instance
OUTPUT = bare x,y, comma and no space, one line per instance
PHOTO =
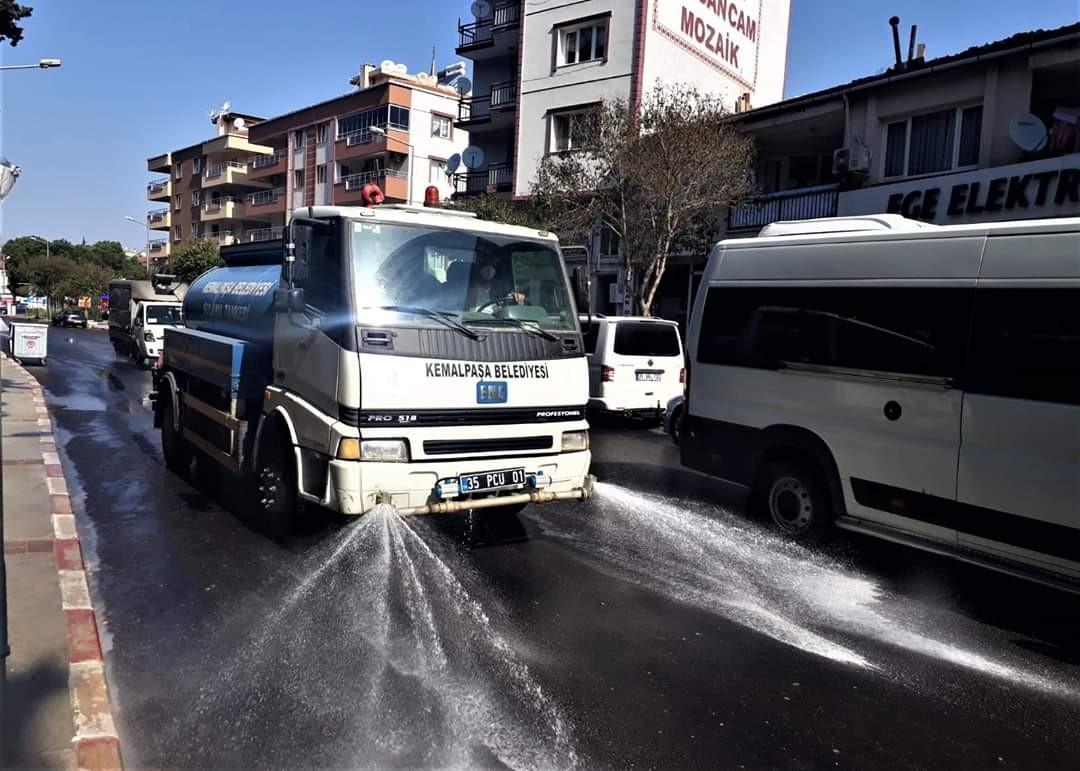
496,178
153,188
265,234
357,181
266,197
217,169
218,203
157,215
159,244
481,31
807,203
502,96
262,161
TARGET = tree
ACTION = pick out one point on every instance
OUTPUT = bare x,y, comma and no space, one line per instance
656,177
48,275
497,208
84,280
10,15
195,258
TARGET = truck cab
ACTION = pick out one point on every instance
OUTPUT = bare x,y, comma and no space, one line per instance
148,324
390,354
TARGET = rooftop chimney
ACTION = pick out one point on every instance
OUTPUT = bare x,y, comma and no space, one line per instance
894,22
363,78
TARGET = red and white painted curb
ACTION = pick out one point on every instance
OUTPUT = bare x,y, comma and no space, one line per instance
96,744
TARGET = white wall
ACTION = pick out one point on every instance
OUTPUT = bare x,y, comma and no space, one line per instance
724,46
543,89
426,146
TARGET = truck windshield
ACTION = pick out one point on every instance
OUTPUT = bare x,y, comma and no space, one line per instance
163,314
480,278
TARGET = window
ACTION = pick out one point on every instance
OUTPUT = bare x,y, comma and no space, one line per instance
195,229
399,117
386,116
178,170
320,173
196,165
437,174
609,242
571,130
898,330
931,143
583,43
298,179
196,197
1026,344
645,338
178,232
323,287
440,126
322,133
298,138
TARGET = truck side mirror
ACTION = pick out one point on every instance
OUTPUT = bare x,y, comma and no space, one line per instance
289,301
302,237
581,290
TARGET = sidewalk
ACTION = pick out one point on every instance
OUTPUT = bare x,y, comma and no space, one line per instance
57,712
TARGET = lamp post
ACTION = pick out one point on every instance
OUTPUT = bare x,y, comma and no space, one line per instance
8,174
145,224
48,299
379,130
45,241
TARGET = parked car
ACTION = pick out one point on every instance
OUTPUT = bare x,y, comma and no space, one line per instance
71,317
673,418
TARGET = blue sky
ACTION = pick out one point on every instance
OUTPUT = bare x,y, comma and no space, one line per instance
83,133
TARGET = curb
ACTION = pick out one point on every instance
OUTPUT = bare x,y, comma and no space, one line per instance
96,743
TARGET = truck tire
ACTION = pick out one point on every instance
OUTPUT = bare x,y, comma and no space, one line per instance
174,446
275,486
792,494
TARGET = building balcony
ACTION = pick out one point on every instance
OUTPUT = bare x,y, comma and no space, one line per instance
801,204
159,249
394,184
159,219
265,203
263,166
496,178
159,190
492,36
365,143
226,208
497,107
264,234
234,143
223,238
225,173
160,163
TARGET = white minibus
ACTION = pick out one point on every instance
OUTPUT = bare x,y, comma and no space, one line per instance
914,382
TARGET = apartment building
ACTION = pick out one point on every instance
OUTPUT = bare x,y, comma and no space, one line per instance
394,129
538,65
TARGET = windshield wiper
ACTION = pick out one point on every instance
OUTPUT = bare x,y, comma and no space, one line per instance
526,325
441,316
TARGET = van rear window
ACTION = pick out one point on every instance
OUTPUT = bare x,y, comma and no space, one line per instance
643,338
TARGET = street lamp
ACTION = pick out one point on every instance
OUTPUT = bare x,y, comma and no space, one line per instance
43,64
45,241
380,131
145,224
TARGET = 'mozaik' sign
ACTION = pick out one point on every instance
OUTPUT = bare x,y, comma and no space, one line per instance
723,33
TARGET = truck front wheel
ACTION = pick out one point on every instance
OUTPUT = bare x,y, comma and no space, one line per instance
174,447
275,486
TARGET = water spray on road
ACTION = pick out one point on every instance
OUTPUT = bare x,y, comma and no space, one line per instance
382,654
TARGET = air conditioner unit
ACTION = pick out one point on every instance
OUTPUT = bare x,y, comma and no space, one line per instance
851,160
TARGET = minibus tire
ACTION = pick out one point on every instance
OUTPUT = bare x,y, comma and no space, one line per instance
792,495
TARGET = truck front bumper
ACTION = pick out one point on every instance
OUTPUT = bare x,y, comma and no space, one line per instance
429,487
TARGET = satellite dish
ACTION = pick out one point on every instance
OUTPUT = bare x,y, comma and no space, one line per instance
238,123
463,85
481,9
453,163
386,65
1027,132
473,157
226,105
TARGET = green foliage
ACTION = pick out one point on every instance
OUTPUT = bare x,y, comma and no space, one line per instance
67,270
497,208
195,258
10,15
85,280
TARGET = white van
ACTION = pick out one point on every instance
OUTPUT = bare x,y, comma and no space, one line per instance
636,364
914,382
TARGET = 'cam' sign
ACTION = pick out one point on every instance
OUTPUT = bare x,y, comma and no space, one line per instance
722,33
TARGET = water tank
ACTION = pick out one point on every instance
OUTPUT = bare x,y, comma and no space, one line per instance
234,301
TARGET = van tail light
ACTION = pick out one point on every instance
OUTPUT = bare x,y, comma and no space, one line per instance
682,375
607,374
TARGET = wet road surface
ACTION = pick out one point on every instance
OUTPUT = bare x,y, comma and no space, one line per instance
654,626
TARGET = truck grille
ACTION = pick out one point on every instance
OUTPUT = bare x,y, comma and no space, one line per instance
463,446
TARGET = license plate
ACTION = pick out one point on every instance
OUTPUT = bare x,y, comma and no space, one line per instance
491,392
491,480
649,377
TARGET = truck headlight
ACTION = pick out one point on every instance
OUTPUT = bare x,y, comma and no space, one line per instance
575,441
384,450
148,336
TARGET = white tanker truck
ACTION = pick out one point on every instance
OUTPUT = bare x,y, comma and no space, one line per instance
413,356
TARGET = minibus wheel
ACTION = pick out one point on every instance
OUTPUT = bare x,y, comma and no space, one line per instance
793,496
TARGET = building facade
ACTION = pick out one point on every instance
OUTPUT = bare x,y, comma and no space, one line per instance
538,65
395,129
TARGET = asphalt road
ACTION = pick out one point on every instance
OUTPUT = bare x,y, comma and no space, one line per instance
649,627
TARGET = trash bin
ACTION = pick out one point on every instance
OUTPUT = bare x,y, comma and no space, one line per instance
28,342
